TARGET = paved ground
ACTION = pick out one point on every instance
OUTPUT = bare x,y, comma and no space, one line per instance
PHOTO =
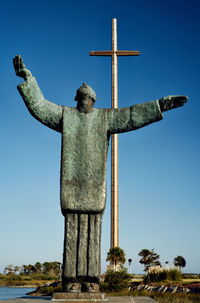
131,300
110,300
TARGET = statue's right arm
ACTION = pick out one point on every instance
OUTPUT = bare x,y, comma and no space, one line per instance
48,113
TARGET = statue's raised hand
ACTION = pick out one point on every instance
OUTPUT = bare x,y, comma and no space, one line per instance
170,102
20,68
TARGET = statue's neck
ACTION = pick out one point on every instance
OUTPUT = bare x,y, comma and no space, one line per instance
85,106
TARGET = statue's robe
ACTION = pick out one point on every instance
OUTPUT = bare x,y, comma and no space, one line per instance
85,139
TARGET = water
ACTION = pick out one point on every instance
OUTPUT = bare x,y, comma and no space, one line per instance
13,292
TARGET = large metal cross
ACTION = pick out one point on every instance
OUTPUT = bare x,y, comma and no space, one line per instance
114,53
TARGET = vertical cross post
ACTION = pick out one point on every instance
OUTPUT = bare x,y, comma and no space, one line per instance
114,53
114,241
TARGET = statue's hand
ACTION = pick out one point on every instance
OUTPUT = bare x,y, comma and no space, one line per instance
170,102
20,68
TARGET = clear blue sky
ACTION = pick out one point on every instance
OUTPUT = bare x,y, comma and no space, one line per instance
159,167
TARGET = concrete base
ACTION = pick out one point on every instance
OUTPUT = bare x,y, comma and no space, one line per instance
85,297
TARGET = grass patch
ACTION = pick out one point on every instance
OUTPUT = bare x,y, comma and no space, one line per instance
161,298
159,274
190,281
23,283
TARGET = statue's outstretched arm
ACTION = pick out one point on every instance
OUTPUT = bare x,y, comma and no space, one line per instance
137,116
131,118
48,113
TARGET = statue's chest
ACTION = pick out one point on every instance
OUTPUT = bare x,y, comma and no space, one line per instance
84,129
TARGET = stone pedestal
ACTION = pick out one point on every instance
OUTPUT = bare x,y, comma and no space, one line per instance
76,297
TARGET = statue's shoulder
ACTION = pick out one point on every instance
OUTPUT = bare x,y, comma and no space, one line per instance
69,109
102,110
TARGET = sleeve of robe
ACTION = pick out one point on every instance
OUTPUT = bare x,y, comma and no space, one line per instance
48,113
134,117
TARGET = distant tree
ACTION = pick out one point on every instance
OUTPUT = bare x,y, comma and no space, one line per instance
9,269
116,256
24,269
16,269
31,269
52,268
149,258
57,267
179,262
47,267
38,267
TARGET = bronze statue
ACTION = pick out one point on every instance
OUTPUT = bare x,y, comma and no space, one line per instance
85,138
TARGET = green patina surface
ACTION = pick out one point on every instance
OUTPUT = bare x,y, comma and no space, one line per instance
85,138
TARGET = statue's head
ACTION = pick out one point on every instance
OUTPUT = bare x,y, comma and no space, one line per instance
85,91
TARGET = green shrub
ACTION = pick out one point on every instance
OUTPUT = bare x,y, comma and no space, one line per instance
190,276
12,277
163,274
48,290
42,277
2,276
115,281
174,275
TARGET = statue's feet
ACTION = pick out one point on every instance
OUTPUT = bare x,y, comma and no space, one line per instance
90,287
73,287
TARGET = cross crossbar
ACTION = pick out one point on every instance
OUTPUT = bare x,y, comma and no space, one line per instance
111,53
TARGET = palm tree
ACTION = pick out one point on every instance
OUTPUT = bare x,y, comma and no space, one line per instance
25,269
149,258
8,269
16,269
179,261
38,267
116,255
31,269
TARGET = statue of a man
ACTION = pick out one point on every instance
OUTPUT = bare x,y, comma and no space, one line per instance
85,137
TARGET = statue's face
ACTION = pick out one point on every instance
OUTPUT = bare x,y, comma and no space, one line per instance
85,100
85,104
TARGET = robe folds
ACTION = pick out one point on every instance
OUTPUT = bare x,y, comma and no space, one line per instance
85,140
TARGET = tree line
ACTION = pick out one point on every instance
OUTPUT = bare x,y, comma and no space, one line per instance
46,268
149,258
117,278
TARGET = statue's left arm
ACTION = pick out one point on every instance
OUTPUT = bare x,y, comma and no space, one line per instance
48,113
140,115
